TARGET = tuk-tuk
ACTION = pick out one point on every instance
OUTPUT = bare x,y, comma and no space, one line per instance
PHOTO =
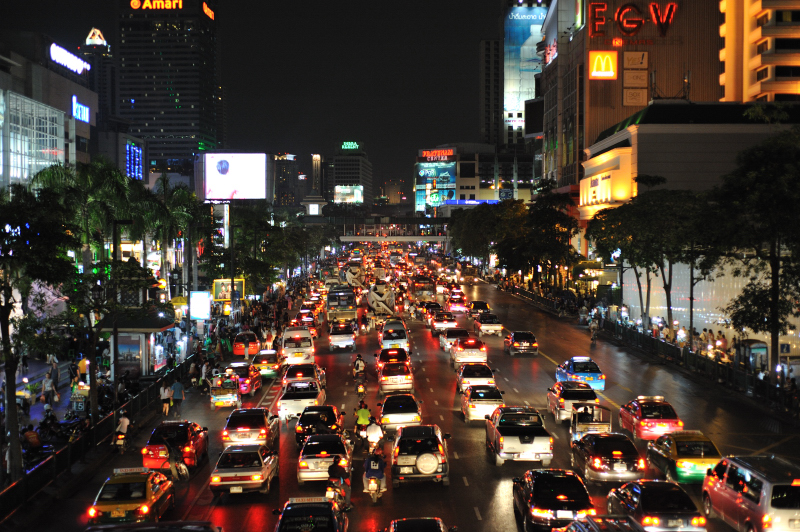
588,418
225,390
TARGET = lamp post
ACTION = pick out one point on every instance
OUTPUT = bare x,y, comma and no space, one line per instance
115,333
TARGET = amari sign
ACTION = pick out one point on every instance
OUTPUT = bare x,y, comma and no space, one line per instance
157,4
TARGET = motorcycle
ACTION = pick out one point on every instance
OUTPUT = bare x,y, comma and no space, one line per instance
121,442
32,457
374,489
335,492
594,337
361,390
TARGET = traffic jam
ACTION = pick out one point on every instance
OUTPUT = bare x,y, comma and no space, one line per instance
656,473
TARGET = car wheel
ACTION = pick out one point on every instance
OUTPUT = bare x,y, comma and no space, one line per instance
498,461
708,508
265,489
586,475
526,524
609,509
572,460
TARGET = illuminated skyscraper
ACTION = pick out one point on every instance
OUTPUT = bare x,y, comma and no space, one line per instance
167,76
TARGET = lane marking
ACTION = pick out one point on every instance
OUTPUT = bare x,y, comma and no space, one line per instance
466,482
423,369
196,497
526,403
436,402
441,417
342,406
609,401
516,391
554,435
625,388
345,392
455,455
477,514
431,390
505,379
768,447
548,358
427,379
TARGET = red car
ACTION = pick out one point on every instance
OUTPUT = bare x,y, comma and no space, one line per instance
246,337
649,417
189,437
249,376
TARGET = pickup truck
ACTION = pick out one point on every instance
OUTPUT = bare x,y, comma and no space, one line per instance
297,395
487,324
342,337
518,433
442,321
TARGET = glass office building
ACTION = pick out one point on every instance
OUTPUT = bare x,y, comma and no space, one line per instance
31,138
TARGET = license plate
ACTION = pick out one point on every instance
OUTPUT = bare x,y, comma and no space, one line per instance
396,379
674,522
564,514
406,470
589,378
620,467
299,354
117,513
236,489
794,523
395,345
662,425
523,344
162,453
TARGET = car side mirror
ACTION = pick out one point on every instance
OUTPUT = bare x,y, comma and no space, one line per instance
460,392
452,529
487,416
277,511
709,472
419,402
205,429
549,389
502,392
273,417
379,404
446,435
375,355
298,415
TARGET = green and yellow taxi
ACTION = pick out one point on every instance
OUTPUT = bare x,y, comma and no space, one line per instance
132,495
683,456
268,363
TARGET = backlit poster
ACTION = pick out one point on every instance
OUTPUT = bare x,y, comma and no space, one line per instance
523,31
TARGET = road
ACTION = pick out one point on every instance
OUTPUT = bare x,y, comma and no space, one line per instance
479,497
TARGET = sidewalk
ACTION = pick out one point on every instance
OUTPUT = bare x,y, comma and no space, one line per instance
37,369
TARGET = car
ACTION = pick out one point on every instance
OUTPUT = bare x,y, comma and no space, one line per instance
267,363
466,350
297,395
656,506
518,433
394,339
550,498
478,307
683,456
251,426
400,410
649,416
519,342
244,468
297,346
479,401
419,524
394,322
442,321
602,523
457,303
249,377
395,377
342,336
311,513
607,457
310,322
132,495
317,456
487,323
449,337
581,369
390,356
428,309
474,374
309,418
420,453
189,437
247,339
305,372
561,396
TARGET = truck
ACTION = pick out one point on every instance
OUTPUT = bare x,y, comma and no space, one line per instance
354,274
422,288
486,323
341,303
297,396
380,298
467,274
518,433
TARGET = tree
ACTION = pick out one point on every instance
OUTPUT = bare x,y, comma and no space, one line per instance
35,233
176,208
550,229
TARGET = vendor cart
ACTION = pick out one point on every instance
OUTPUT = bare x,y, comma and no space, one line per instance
588,418
225,391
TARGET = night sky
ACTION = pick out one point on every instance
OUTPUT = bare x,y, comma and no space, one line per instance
303,76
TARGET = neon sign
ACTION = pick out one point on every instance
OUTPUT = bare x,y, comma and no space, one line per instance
157,4
349,145
79,111
438,153
207,11
66,59
603,64
629,18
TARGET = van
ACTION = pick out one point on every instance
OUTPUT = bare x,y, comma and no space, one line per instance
297,346
394,339
754,493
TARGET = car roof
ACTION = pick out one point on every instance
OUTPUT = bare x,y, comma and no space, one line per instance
653,487
455,329
518,410
410,524
688,435
248,448
774,468
418,431
238,364
324,438
581,359
575,385
397,396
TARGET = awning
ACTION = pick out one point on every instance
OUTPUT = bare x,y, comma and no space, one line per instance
150,323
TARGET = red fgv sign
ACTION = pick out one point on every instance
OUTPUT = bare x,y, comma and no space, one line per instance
629,18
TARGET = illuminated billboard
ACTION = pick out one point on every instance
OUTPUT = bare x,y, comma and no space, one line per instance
200,305
523,31
348,194
222,289
439,174
235,176
602,64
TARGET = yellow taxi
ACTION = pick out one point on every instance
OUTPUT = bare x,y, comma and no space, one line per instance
683,456
132,495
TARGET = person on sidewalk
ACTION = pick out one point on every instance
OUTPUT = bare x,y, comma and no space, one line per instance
55,372
178,395
166,397
48,390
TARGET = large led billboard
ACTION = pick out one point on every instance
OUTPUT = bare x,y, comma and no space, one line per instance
436,183
523,31
235,176
348,194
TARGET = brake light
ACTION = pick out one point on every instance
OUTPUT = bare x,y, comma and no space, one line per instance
597,463
766,521
247,381
92,511
299,375
471,405
539,512
640,464
303,465
144,450
262,432
602,377
680,423
216,479
551,444
256,477
225,435
276,366
144,509
460,348
343,462
500,443
383,378
698,521
617,453
408,377
187,449
649,520
516,344
561,400
483,348
316,402
643,423
536,344
491,382
298,428
120,436
796,482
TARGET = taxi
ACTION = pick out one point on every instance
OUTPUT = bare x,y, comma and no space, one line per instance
649,416
249,377
267,363
132,495
457,303
683,456
246,339
311,513
582,369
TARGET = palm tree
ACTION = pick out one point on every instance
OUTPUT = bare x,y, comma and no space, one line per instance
174,213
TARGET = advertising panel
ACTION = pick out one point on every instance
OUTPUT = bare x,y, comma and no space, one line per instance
439,174
130,355
523,31
235,176
348,194
200,305
222,288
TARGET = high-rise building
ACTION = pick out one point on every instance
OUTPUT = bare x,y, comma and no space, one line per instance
395,190
490,63
351,169
759,46
102,76
167,78
289,190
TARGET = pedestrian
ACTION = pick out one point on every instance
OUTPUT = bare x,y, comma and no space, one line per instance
166,398
56,373
25,361
48,391
74,372
178,395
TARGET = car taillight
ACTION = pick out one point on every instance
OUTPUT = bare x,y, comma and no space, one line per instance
247,381
262,432
460,348
640,464
278,404
551,444
540,512
144,450
303,465
680,423
500,443
408,377
256,477
561,400
650,520
383,378
216,479
316,402
284,382
93,512
597,463
643,423
698,521
483,348
225,435
298,428
766,521
276,366
583,513
396,451
187,449
144,509
471,405
602,377
343,462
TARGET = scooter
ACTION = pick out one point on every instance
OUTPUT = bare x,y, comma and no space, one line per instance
335,492
121,442
374,489
361,390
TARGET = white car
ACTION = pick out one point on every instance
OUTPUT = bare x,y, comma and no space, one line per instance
474,375
467,350
441,322
477,402
318,454
394,339
401,410
298,346
395,377
244,468
449,337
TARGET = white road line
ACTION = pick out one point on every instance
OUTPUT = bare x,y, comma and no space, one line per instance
441,417
431,390
342,406
344,393
477,514
427,379
554,435
194,501
466,482
527,403
423,369
516,391
455,455
505,378
436,402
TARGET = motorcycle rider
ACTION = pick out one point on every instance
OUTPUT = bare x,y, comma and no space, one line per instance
321,426
374,467
593,327
122,425
374,432
338,473
362,416
30,439
359,366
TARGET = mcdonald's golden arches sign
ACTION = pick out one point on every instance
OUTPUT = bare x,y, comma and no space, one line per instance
602,64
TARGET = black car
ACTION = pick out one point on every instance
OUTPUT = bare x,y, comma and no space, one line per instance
419,524
420,453
550,498
478,307
607,457
308,420
520,342
657,505
311,513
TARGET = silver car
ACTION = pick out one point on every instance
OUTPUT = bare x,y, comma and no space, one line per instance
395,377
449,337
474,374
244,468
400,410
318,454
467,350
477,402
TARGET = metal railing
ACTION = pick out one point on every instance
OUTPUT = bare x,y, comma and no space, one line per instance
62,461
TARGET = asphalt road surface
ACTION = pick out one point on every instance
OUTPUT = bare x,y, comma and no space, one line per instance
479,497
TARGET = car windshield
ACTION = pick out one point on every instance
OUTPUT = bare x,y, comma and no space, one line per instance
520,420
433,307
175,434
550,490
608,446
245,420
477,370
456,333
786,497
688,449
297,343
297,372
668,498
485,393
241,371
342,329
658,411
488,318
294,387
524,337
306,518
330,447
232,460
311,418
578,395
392,370
128,491
404,404
444,316
417,447
471,344
394,334
265,359
585,367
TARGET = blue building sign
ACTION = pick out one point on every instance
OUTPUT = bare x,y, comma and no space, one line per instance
134,160
79,111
